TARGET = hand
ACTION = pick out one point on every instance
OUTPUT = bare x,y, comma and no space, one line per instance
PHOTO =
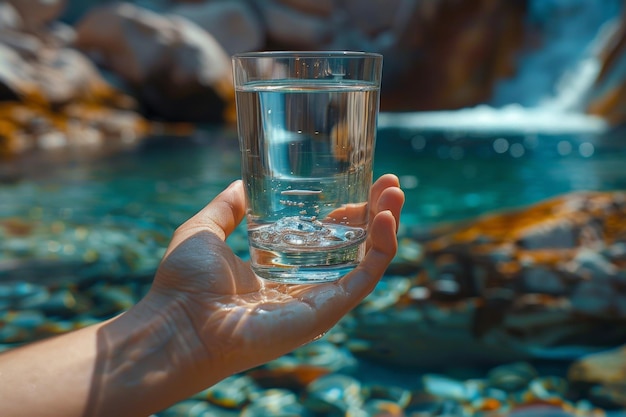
243,320
206,317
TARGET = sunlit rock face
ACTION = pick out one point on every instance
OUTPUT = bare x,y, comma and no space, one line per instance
177,69
444,55
438,54
544,282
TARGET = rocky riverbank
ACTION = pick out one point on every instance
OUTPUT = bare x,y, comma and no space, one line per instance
518,313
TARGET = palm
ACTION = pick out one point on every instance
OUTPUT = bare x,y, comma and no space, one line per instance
236,312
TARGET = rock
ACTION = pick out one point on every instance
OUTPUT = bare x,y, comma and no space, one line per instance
450,388
473,45
336,393
232,392
37,14
52,95
512,377
232,23
274,402
56,76
178,70
455,37
558,294
603,367
607,369
9,17
298,25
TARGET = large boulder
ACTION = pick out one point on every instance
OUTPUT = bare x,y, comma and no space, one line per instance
438,55
232,23
37,14
544,282
452,54
605,373
177,70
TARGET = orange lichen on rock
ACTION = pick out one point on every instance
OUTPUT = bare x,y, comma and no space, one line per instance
28,126
565,217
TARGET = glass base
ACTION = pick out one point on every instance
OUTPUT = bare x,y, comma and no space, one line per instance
303,275
306,265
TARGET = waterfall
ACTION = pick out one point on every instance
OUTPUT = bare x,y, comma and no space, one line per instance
555,75
558,71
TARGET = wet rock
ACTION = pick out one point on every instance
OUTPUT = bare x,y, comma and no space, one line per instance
386,294
449,388
547,387
286,372
274,402
325,355
233,392
543,281
607,370
558,294
195,408
306,364
178,70
334,393
544,410
389,394
382,408
511,377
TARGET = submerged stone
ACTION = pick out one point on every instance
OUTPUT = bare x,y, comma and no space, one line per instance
334,393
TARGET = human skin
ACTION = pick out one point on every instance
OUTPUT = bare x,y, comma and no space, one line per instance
206,316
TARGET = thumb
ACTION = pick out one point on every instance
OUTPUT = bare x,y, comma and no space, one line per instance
220,217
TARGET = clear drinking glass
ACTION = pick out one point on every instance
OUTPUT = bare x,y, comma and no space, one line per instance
307,130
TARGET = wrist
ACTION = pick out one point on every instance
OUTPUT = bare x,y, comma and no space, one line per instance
151,351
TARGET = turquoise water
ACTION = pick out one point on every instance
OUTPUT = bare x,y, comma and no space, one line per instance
446,176
452,176
104,221
87,216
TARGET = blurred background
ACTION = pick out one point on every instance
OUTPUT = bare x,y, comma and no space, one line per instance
503,119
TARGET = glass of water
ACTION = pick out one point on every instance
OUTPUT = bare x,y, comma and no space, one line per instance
307,130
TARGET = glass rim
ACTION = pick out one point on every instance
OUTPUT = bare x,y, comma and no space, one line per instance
307,54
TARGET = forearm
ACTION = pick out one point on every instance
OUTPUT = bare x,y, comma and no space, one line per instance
133,365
